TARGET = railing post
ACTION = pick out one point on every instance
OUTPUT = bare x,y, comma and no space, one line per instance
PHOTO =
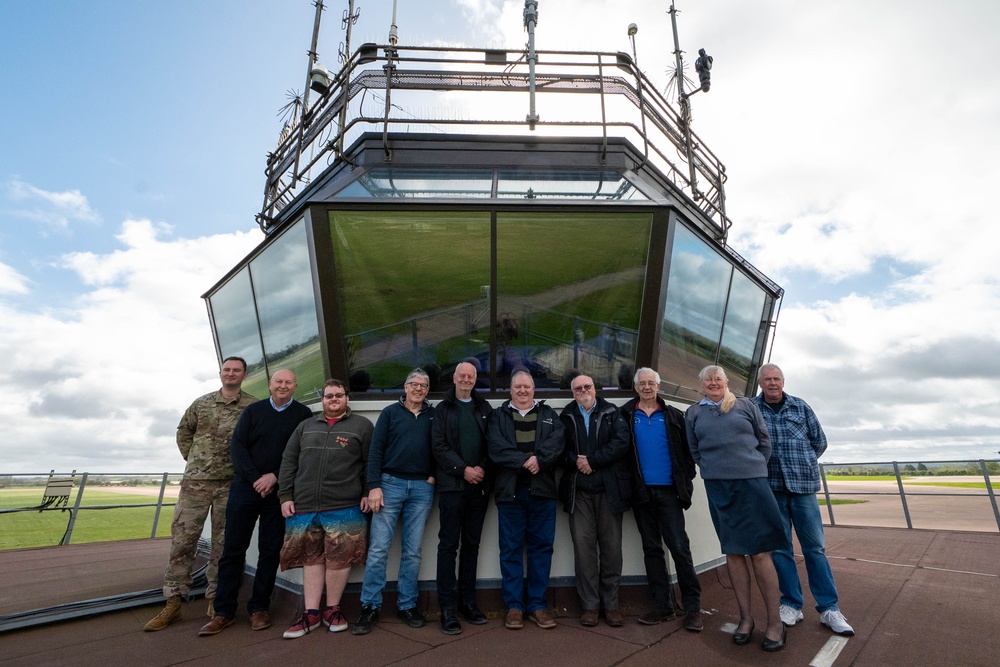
76,509
415,339
989,492
902,494
826,494
159,506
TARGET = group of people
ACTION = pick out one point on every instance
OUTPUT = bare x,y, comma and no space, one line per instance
310,480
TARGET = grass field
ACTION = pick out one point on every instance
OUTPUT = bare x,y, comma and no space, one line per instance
864,478
957,485
841,501
22,530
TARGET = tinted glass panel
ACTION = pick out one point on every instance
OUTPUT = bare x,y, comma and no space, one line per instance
421,183
565,185
743,330
282,279
697,286
236,329
414,291
569,291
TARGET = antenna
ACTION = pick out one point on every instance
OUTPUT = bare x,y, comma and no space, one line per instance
530,21
393,31
703,64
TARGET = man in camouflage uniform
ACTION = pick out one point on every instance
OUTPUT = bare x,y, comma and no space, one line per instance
203,437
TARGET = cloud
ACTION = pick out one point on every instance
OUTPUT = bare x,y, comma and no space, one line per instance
12,282
101,384
54,210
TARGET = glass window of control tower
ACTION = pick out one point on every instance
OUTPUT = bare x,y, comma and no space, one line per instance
236,329
413,289
286,306
569,293
713,315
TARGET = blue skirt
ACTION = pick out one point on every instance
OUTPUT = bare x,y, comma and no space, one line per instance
745,515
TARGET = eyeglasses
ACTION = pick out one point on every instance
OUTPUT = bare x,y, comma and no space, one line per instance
418,385
647,383
330,397
582,388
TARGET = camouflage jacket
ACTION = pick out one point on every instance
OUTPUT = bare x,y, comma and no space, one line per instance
204,433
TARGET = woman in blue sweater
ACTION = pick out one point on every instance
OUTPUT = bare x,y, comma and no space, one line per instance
729,442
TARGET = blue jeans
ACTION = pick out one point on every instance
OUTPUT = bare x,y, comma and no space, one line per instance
801,510
527,521
411,500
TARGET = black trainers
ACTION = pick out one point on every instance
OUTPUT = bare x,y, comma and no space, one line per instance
368,617
412,617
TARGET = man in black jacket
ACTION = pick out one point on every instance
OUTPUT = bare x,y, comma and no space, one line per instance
458,439
596,490
525,440
663,470
256,448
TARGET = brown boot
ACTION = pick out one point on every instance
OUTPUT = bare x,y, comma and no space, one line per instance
169,614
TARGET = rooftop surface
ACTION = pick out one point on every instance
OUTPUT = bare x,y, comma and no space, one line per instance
914,597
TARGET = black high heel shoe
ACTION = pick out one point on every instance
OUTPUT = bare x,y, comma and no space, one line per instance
774,644
741,638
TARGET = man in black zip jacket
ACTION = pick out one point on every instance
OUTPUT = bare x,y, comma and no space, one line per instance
525,440
663,470
596,489
458,440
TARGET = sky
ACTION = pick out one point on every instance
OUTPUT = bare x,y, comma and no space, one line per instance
859,139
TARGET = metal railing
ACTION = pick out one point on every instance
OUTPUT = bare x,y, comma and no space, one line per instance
926,471
381,87
57,495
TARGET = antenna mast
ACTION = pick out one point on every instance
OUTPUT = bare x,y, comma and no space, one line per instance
682,99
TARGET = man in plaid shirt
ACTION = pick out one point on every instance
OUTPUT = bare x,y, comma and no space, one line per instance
798,441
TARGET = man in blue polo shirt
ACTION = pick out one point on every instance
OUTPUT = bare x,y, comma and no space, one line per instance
663,471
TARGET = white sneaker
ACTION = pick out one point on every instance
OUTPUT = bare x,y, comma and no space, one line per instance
790,615
834,620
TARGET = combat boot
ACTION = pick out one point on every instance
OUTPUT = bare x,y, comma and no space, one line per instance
169,614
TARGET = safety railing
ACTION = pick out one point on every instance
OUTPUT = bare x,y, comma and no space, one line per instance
955,495
79,496
463,91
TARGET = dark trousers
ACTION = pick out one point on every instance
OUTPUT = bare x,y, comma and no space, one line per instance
462,516
245,507
597,550
661,520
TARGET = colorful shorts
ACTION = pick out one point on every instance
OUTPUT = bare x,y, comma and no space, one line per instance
338,537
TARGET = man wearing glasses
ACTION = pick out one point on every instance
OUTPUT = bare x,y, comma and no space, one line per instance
596,490
401,483
663,470
323,491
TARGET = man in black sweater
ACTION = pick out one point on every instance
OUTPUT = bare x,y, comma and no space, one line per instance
258,442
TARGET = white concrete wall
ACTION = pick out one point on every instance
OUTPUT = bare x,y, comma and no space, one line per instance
704,543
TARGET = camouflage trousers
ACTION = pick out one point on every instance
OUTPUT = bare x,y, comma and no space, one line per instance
196,498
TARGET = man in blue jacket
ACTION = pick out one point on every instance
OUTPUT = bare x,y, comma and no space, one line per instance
401,483
663,470
596,490
525,440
